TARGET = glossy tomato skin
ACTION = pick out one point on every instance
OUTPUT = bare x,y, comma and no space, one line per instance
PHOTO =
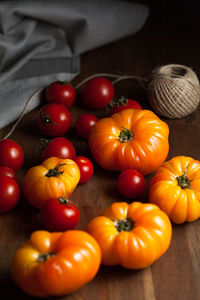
131,235
131,184
54,120
84,125
86,168
59,147
131,139
59,214
61,92
11,154
175,189
129,104
8,172
54,178
97,93
9,193
55,264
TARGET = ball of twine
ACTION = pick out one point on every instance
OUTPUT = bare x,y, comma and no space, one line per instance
174,91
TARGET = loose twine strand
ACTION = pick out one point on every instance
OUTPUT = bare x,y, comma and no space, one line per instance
119,78
23,112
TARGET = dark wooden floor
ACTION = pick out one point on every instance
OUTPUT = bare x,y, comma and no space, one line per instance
176,275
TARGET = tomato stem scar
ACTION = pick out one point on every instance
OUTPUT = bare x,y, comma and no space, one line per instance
43,257
124,224
125,135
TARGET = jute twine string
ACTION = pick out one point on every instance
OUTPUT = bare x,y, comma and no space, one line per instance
117,77
174,91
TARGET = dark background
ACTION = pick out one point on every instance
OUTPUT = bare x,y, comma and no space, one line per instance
178,16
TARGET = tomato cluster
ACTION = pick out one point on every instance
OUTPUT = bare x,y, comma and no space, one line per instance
49,185
54,120
11,159
130,140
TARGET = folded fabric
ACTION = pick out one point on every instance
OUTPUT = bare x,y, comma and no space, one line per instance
41,41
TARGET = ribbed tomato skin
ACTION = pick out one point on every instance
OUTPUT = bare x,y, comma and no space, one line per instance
145,152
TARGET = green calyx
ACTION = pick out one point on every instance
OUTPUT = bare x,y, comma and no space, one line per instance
62,82
124,225
46,119
45,256
183,181
122,101
43,143
125,135
65,201
55,172
62,200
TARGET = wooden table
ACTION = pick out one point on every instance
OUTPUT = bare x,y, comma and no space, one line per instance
176,275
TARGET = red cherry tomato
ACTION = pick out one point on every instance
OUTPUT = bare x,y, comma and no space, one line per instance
11,154
97,93
61,92
59,214
124,103
59,147
86,168
6,171
131,183
54,119
9,193
84,125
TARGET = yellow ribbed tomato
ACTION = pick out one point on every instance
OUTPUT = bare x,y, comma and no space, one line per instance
54,178
132,235
175,188
131,139
55,264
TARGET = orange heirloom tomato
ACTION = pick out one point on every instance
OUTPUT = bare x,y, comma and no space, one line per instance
131,235
131,139
175,188
55,264
54,178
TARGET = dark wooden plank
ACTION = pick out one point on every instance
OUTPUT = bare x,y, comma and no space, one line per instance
174,275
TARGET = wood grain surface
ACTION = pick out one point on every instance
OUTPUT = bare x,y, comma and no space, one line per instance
176,275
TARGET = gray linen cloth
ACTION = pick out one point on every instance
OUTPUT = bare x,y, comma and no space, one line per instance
41,41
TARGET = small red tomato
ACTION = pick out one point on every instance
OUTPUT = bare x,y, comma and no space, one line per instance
59,214
59,147
11,154
84,125
86,168
9,193
6,171
61,92
123,103
54,119
131,183
97,93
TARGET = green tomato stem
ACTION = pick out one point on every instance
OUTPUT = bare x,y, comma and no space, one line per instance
63,82
43,257
46,119
122,101
55,172
124,225
64,201
125,135
183,181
